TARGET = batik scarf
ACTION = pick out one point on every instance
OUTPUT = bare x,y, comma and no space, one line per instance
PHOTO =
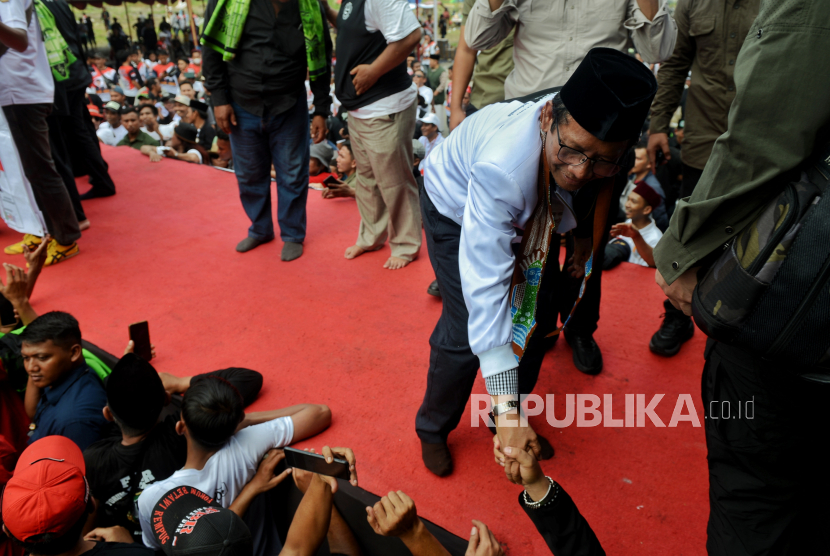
533,257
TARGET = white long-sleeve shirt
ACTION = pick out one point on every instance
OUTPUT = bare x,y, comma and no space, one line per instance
484,177
552,36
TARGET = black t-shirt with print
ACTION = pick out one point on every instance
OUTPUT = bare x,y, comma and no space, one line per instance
113,470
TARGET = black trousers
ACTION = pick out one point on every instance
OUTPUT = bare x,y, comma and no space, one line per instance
767,435
83,146
452,365
30,132
63,163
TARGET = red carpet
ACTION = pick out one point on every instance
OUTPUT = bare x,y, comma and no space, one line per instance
353,335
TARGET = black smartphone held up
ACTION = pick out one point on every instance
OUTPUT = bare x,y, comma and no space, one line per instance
7,317
140,335
660,158
331,180
316,463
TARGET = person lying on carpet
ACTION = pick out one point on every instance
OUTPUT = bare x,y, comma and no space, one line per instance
221,459
548,506
395,515
314,520
182,146
144,446
64,396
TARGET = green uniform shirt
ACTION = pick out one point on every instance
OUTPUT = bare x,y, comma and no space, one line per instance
351,180
492,68
709,35
140,140
780,115
434,80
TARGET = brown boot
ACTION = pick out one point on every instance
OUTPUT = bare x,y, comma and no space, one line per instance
437,458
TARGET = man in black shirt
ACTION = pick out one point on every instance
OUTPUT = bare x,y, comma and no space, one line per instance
259,99
75,147
141,450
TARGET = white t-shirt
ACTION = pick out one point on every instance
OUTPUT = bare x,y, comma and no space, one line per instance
110,136
427,93
428,147
161,150
651,235
395,20
26,76
153,134
224,474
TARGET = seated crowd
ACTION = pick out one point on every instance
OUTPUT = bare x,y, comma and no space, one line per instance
127,460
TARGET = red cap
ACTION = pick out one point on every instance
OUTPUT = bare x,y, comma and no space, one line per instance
48,492
93,111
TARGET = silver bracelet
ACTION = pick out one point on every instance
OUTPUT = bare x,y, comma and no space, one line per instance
546,499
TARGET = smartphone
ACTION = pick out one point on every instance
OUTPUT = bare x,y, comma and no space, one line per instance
330,180
316,463
7,317
660,158
140,335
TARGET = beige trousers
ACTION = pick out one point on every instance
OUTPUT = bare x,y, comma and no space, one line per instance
386,190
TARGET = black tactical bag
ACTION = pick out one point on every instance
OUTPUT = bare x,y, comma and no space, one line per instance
769,292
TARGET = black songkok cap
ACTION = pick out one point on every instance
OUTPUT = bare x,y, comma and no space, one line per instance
186,132
610,94
135,392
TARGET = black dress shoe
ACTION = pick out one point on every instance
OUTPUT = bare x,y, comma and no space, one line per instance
437,458
433,289
587,356
94,194
676,329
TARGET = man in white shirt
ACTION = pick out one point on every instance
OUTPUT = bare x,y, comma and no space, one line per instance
111,132
420,80
219,461
639,231
26,95
484,181
430,136
552,36
374,37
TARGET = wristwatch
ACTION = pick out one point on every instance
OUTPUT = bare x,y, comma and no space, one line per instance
504,407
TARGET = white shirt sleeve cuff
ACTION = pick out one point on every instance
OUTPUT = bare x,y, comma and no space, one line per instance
497,360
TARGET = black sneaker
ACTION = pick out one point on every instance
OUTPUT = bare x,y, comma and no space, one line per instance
587,355
676,329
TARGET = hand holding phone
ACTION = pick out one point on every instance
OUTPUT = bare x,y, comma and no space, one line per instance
325,464
140,336
329,181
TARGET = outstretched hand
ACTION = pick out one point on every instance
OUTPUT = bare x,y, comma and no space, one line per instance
131,349
625,229
393,515
265,480
16,287
483,542
37,258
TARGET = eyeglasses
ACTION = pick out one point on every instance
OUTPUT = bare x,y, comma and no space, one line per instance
573,157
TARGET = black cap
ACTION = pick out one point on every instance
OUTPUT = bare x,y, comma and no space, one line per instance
198,105
610,94
135,392
186,132
193,523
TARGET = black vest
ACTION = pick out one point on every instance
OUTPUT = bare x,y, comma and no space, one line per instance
355,46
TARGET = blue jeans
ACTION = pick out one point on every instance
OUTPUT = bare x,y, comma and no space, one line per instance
284,141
